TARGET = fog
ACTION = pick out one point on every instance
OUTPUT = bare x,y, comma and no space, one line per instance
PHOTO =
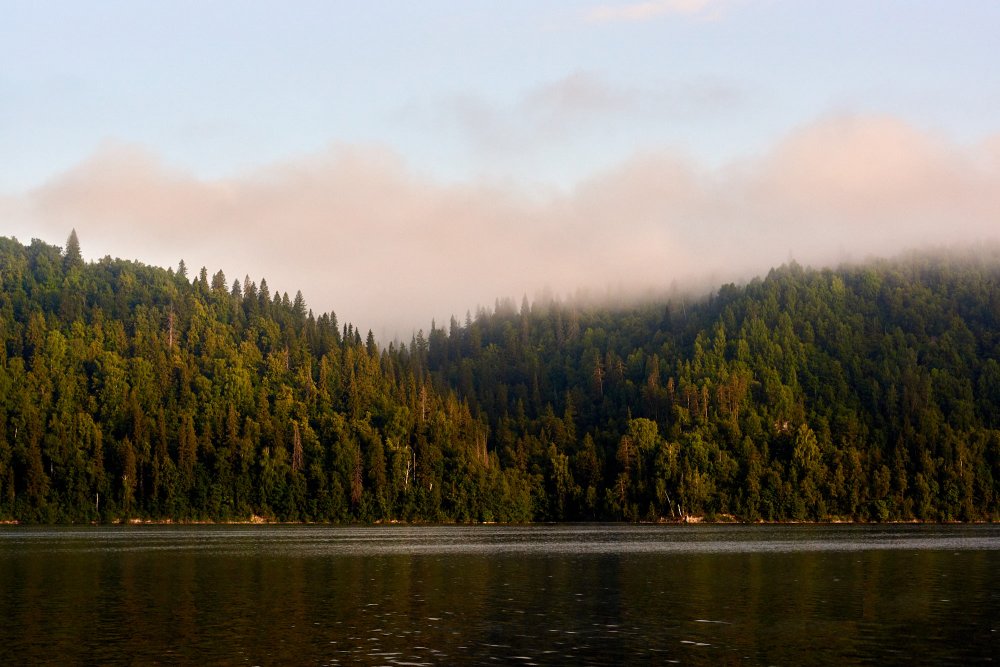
365,234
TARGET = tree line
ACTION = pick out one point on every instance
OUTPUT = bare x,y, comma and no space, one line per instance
869,392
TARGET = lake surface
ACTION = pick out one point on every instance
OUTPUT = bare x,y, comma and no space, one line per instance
566,594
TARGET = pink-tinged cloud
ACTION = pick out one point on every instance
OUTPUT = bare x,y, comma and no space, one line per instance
364,234
653,9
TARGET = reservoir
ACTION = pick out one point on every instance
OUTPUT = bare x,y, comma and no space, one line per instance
560,594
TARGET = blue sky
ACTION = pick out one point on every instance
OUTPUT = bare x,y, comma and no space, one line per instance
220,87
539,105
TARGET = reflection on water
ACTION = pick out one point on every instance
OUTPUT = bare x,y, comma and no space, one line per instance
488,594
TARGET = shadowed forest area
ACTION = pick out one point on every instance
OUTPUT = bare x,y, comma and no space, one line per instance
869,392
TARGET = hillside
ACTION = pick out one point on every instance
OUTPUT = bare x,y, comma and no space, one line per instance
868,392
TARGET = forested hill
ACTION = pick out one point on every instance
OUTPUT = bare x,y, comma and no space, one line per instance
868,392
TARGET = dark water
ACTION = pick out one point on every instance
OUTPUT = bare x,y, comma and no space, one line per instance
500,595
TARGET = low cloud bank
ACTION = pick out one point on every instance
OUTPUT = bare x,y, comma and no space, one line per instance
364,234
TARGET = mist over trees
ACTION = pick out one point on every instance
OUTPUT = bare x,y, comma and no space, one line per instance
869,392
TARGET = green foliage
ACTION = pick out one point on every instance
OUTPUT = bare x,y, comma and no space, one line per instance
866,393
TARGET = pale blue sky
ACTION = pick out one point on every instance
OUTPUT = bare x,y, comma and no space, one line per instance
399,161
458,88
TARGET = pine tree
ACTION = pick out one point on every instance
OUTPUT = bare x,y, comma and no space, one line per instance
71,256
299,306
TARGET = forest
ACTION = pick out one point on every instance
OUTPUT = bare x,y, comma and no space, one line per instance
869,392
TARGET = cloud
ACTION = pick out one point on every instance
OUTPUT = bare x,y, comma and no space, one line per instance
546,113
654,9
579,106
363,233
580,92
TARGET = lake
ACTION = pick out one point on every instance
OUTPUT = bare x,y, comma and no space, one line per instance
564,594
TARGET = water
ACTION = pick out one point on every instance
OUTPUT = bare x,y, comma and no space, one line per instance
259,595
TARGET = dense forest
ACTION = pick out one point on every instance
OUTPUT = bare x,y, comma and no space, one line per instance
869,392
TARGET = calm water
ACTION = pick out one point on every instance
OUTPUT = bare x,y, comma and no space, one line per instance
490,595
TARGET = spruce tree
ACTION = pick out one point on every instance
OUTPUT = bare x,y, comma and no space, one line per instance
72,256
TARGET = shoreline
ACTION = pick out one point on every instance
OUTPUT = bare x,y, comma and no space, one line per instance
256,520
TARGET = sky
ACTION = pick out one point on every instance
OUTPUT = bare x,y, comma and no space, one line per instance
402,161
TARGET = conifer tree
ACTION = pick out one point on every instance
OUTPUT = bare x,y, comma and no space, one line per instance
71,256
